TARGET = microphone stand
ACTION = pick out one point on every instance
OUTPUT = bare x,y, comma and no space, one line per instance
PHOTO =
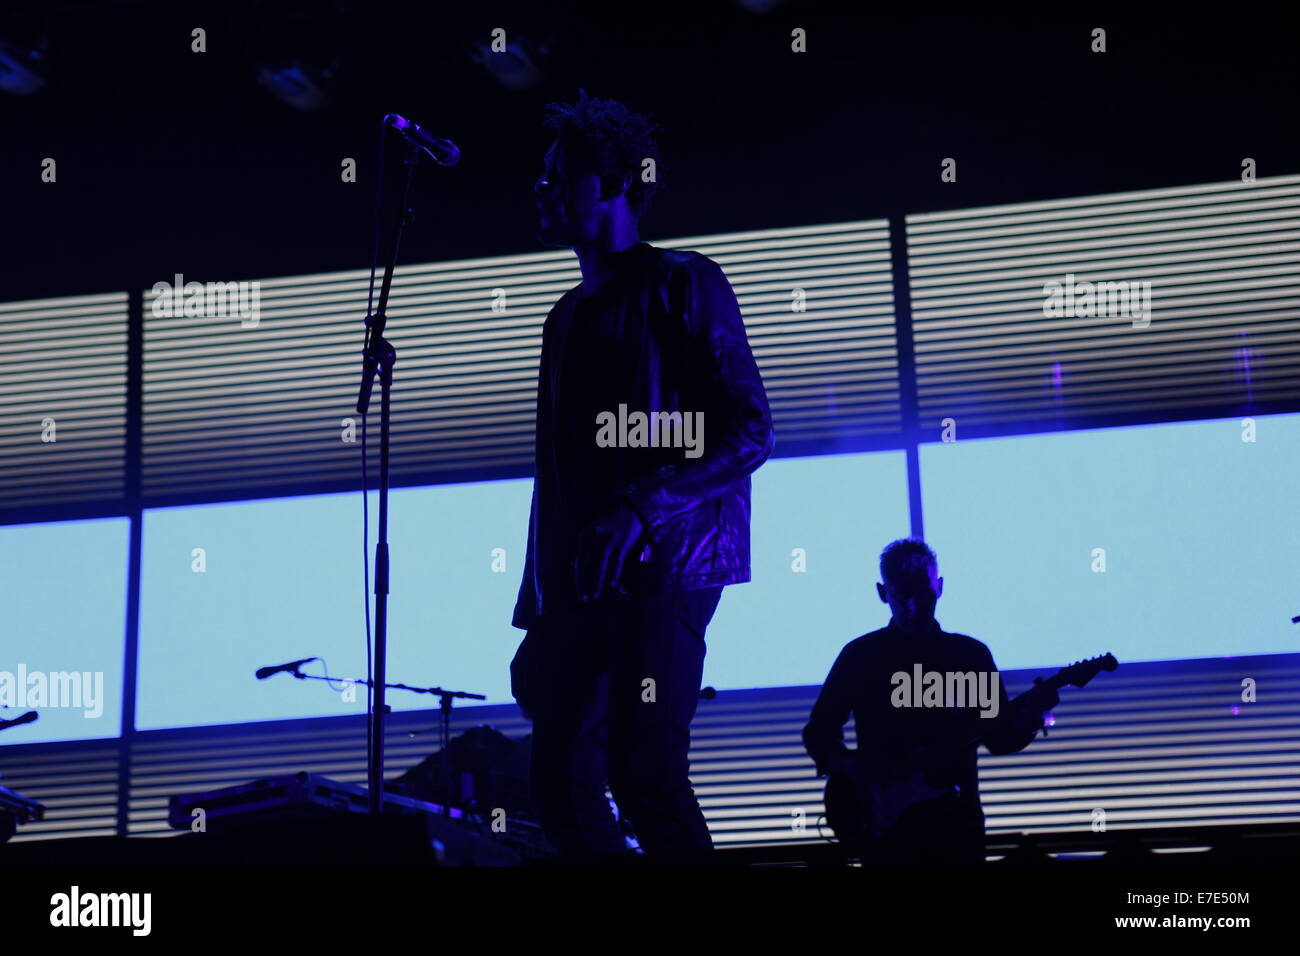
451,795
379,355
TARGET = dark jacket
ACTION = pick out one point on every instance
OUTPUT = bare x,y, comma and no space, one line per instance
664,335
894,740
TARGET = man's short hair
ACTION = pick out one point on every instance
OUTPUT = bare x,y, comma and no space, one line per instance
610,140
903,556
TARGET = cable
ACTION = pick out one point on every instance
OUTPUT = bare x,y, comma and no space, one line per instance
365,490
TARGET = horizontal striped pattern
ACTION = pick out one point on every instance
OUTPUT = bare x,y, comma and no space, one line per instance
63,360
831,368
76,781
1223,263
235,409
176,762
1182,750
1153,745
256,409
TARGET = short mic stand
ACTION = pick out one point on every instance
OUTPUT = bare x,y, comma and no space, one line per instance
451,795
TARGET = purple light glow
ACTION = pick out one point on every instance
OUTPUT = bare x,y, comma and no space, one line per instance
1244,359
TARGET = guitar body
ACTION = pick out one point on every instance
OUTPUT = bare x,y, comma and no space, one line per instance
859,810
848,811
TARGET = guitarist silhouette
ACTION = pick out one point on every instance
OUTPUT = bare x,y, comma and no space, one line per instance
911,788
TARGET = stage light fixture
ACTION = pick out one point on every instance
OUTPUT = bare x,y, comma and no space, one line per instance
297,84
517,66
22,72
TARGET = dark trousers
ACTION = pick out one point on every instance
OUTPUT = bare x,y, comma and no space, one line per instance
611,688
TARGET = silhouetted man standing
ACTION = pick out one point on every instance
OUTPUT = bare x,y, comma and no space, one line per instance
651,416
917,743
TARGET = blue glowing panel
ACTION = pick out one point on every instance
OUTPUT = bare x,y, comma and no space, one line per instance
1199,530
282,579
63,586
786,627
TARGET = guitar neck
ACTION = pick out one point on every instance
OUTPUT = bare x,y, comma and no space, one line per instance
1077,674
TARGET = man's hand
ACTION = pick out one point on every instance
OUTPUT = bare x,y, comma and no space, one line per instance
1028,714
602,550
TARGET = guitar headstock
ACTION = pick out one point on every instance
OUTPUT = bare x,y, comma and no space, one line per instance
1080,672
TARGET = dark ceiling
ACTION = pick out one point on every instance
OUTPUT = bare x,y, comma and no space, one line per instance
172,161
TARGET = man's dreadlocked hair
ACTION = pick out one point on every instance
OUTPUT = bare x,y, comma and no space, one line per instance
610,140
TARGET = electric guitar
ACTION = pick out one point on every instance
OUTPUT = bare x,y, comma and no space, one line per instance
860,810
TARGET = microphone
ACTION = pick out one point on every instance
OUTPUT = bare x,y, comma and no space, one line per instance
443,151
263,673
26,718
